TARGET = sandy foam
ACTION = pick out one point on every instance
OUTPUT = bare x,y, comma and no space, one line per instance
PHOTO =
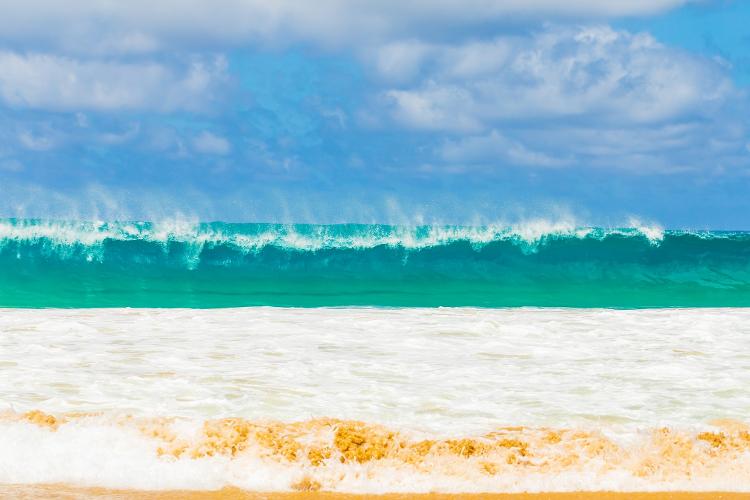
352,456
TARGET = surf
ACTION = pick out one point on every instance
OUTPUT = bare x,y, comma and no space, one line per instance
216,264
376,400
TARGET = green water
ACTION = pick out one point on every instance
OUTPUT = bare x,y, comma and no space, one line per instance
79,264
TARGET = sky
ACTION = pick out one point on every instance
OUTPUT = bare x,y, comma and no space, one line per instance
471,112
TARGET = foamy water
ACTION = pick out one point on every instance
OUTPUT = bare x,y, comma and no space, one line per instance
421,399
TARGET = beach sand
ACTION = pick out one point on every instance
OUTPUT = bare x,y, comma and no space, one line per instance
69,493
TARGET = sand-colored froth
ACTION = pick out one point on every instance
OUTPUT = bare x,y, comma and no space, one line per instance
63,492
321,442
335,455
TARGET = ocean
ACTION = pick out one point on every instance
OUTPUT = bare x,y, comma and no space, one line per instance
373,358
131,264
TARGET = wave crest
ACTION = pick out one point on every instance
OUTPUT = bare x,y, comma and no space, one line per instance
302,237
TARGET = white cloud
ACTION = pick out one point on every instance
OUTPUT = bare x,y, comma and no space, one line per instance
590,96
496,149
401,60
556,97
208,143
639,148
665,147
60,83
36,142
132,42
436,107
140,25
557,73
114,138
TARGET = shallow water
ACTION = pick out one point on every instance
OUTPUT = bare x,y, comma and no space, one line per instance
616,377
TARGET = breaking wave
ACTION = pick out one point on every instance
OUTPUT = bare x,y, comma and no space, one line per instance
81,264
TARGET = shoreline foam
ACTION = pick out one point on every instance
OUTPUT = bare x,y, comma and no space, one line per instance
66,492
608,400
351,456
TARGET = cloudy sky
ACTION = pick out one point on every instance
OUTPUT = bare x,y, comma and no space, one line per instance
377,111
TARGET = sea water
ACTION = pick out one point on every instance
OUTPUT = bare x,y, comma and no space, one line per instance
136,264
173,387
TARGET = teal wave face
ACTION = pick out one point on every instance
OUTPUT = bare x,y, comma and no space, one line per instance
79,264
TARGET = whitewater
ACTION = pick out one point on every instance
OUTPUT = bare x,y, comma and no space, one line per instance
373,358
376,399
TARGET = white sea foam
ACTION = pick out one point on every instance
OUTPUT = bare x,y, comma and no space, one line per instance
92,452
61,236
421,372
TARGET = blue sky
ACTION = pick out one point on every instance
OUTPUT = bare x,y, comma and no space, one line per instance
335,111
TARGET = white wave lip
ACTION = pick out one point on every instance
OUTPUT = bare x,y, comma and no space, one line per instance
426,373
60,235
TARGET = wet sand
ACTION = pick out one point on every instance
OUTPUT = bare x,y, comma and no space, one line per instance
65,492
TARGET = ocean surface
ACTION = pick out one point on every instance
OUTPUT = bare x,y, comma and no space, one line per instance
86,264
374,358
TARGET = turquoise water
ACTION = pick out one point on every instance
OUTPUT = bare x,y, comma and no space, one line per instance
131,264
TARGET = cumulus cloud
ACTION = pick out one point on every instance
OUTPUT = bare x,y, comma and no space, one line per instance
52,82
556,73
565,96
550,95
208,143
140,25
